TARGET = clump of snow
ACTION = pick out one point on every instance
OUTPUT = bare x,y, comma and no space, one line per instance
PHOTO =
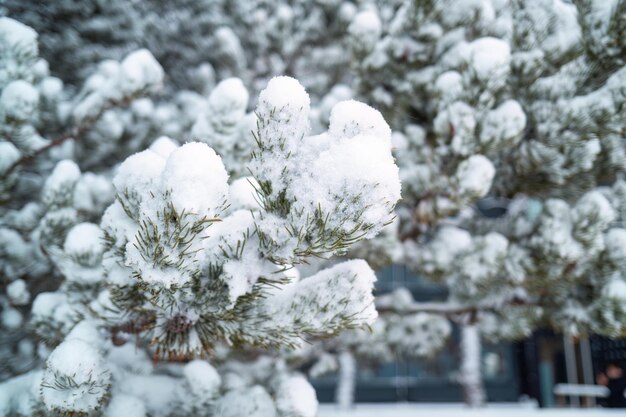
138,74
441,251
347,175
16,394
251,402
196,179
46,302
19,45
83,250
164,146
503,124
11,318
19,102
490,58
17,35
84,240
8,155
17,291
243,194
365,29
54,310
59,186
296,397
554,235
229,99
456,124
141,72
354,180
475,175
615,243
156,392
344,289
138,175
449,86
75,379
351,118
285,105
202,379
616,289
87,331
125,405
591,214
93,193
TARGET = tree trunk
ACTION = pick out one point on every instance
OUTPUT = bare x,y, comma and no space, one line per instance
471,378
344,395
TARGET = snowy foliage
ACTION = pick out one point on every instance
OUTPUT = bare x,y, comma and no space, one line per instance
180,197
182,262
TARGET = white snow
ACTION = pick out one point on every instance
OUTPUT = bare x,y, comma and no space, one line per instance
11,318
141,72
202,379
8,155
615,243
250,402
19,45
125,405
84,239
16,394
60,183
243,194
79,362
229,98
93,193
164,146
475,175
286,104
196,179
616,289
87,331
504,123
295,396
137,176
17,291
456,124
46,302
449,86
351,118
489,57
365,29
15,34
19,101
351,281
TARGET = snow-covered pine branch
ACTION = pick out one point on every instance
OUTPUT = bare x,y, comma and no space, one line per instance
183,270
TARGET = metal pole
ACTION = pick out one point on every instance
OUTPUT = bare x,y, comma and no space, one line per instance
570,367
586,359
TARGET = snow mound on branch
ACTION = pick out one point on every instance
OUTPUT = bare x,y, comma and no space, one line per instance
295,396
489,57
84,239
196,179
19,101
475,175
79,368
202,378
351,118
